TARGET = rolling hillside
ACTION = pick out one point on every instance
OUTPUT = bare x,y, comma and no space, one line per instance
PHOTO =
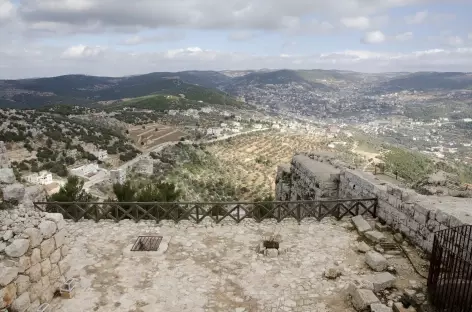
207,85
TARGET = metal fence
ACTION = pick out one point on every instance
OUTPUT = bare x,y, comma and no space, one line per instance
450,271
218,211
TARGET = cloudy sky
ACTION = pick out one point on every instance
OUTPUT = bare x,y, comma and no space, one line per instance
123,37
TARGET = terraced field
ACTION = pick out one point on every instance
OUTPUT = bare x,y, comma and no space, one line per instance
241,168
149,135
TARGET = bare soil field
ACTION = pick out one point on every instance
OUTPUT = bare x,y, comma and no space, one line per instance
150,135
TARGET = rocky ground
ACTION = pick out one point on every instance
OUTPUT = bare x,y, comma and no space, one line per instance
209,267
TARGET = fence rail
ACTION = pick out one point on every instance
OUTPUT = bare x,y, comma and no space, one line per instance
450,271
218,211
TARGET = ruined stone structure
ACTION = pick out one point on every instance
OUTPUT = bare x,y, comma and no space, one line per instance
414,215
33,247
307,180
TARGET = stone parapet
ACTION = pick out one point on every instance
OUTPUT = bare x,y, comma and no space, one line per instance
33,247
33,258
416,216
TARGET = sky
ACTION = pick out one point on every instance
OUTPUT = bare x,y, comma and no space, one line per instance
43,38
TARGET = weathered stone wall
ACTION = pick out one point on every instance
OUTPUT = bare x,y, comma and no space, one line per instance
33,247
283,183
310,179
416,216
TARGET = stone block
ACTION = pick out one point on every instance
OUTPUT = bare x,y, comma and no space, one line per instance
57,218
47,247
64,250
34,306
22,284
47,294
363,298
24,263
64,266
21,303
382,281
35,256
398,307
333,272
45,267
361,224
60,238
374,236
7,274
363,247
55,274
34,272
55,256
381,227
7,176
375,261
18,248
13,192
7,295
378,307
47,228
35,290
34,236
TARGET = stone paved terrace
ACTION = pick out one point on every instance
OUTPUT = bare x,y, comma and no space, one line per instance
209,267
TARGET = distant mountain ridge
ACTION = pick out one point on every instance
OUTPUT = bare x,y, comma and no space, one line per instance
88,90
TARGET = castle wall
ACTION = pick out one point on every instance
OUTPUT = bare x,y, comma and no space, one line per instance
33,247
416,216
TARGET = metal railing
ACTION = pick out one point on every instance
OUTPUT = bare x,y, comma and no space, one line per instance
450,271
218,211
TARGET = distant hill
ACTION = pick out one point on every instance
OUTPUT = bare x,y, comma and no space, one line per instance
207,86
428,81
87,90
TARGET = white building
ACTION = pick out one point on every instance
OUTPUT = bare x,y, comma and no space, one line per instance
118,176
42,178
214,131
100,154
85,170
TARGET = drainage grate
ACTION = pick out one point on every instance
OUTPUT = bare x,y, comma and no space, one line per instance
147,243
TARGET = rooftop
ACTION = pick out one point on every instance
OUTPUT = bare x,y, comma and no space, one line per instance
210,267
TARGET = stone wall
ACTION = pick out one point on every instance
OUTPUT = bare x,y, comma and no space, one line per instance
306,179
414,215
33,247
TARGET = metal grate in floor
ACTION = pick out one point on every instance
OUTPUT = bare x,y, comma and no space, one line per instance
147,243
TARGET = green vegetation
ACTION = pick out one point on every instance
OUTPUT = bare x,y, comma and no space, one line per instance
409,165
156,192
72,191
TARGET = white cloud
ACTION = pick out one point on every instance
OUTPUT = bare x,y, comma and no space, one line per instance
447,39
469,36
418,18
360,22
162,37
202,14
373,37
82,51
404,36
423,17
